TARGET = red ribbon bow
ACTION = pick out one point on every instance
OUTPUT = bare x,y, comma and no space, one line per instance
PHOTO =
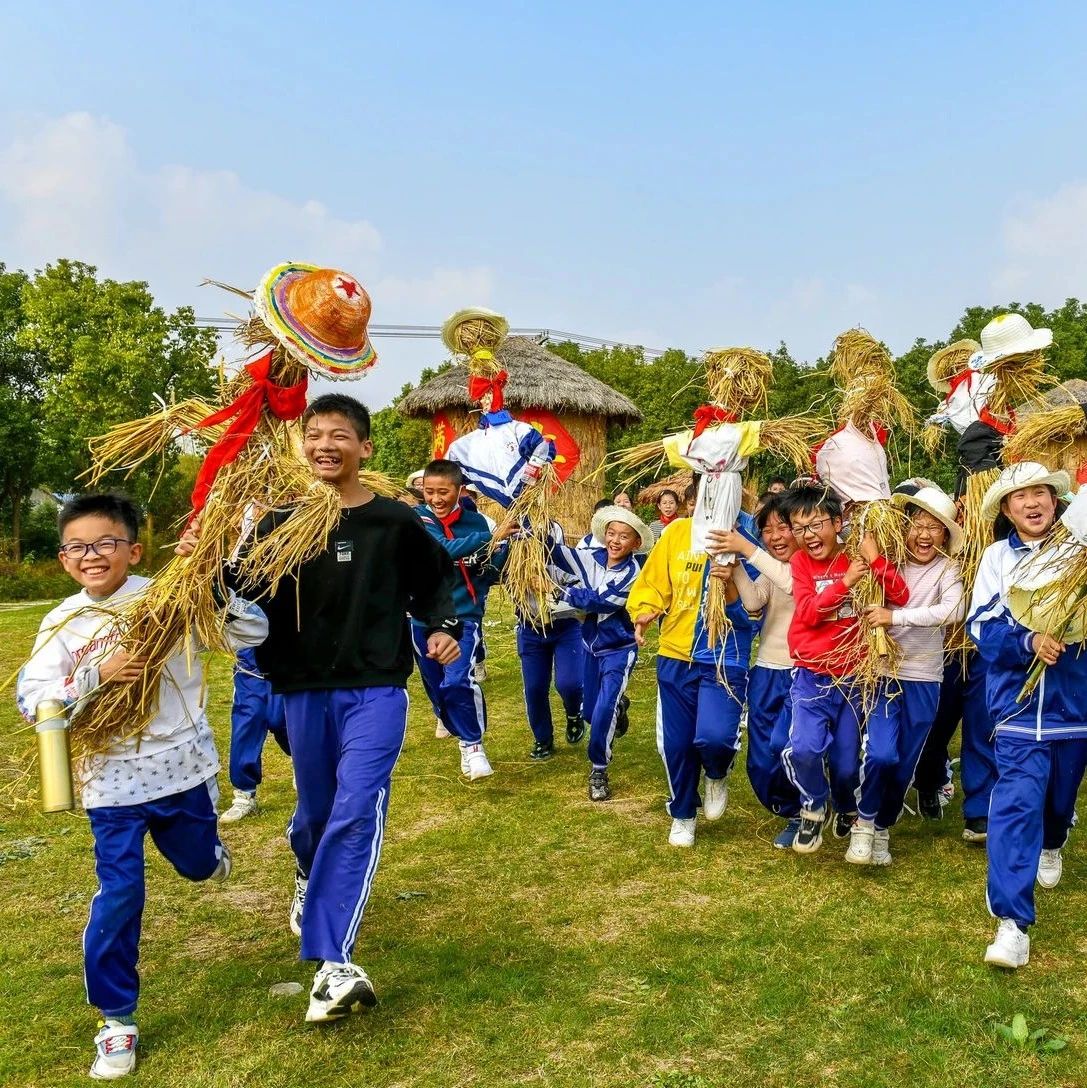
478,386
708,414
285,402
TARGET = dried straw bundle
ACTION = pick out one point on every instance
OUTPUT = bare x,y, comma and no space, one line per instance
525,576
1036,434
791,437
888,526
738,379
873,398
477,334
714,613
1020,380
638,462
932,438
856,353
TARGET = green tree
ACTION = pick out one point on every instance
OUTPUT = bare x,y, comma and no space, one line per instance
108,353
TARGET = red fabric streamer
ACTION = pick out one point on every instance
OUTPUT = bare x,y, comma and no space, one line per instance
285,402
478,386
708,414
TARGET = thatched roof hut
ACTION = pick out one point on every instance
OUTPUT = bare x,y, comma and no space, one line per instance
543,389
1064,451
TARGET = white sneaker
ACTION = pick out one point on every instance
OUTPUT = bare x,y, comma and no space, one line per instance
440,730
715,798
861,837
244,804
479,672
474,762
116,1046
1050,868
682,833
881,848
301,883
338,989
226,863
1010,947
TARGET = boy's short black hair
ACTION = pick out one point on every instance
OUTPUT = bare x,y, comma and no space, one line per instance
446,470
811,500
772,502
601,503
108,504
690,492
340,404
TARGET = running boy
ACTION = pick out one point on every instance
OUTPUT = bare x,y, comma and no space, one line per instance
1041,740
339,652
161,782
905,705
825,642
700,688
453,689
602,578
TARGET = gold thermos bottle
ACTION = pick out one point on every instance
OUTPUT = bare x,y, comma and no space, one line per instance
54,757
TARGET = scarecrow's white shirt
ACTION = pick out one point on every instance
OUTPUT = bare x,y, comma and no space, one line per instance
965,403
494,458
719,454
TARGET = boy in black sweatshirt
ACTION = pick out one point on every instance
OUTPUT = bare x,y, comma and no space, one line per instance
339,652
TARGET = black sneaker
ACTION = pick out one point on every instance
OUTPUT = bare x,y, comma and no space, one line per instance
976,830
928,804
843,824
809,836
541,750
575,728
622,716
599,789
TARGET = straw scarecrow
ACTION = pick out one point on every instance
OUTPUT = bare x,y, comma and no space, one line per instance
1054,432
718,448
507,460
853,463
305,320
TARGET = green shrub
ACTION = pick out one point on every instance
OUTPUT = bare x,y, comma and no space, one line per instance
34,580
39,538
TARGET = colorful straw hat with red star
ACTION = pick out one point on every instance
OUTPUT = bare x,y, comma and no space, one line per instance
319,315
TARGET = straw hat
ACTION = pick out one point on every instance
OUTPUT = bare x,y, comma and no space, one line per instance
319,315
1023,474
497,322
944,364
1038,593
416,475
941,506
607,514
1011,334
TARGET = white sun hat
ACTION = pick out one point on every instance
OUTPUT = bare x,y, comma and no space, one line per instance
1023,474
608,514
1011,334
941,506
416,475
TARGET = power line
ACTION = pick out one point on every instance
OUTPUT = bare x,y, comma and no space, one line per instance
434,332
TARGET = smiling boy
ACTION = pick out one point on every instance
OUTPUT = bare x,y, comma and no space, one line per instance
160,782
339,652
1040,741
826,645
602,580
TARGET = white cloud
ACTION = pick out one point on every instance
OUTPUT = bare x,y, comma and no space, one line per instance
1045,248
74,186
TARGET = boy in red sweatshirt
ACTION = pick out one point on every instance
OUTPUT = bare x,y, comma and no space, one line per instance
827,646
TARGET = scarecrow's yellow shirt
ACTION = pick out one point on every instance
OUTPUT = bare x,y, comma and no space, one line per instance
671,583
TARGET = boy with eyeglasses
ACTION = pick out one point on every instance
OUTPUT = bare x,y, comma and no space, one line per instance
160,782
827,646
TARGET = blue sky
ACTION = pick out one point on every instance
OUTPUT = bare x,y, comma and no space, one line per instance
683,175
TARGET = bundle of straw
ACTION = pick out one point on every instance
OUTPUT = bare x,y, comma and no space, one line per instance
888,525
932,438
1020,380
864,372
1037,433
856,353
977,535
477,334
738,379
526,577
791,437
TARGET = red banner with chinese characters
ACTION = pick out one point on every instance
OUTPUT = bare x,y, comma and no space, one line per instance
442,435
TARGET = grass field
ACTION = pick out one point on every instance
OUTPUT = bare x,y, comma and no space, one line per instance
519,934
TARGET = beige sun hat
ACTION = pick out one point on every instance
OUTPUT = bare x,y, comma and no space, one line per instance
1012,334
1023,474
608,514
416,475
944,364
941,506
